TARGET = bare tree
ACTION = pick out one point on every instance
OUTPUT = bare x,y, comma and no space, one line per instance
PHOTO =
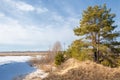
52,52
56,47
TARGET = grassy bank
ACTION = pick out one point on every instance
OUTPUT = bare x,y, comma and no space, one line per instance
73,69
87,70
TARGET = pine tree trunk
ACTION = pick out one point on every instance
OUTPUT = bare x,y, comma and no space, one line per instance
98,57
95,56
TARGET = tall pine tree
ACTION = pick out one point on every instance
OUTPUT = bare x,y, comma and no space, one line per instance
98,29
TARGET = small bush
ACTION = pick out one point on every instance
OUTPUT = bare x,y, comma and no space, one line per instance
59,58
111,61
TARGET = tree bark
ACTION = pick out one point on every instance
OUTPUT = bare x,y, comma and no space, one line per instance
95,56
98,55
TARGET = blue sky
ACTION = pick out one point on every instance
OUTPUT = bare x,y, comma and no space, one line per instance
27,25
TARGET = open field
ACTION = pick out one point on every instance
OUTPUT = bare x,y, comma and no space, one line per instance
26,53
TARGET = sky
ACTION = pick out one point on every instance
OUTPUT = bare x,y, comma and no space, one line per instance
35,25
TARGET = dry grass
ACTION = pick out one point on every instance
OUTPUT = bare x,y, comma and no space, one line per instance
75,70
45,63
32,53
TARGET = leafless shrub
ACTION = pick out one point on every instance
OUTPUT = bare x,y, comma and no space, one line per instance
47,61
56,48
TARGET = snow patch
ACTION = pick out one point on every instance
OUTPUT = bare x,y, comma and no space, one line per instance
36,74
10,59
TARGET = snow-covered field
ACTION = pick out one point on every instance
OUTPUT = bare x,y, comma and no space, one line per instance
10,59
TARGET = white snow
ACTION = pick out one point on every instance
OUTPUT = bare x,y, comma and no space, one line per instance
10,59
36,74
39,56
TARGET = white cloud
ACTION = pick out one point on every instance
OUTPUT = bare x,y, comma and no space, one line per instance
19,5
2,15
18,34
57,17
41,10
55,27
12,32
24,6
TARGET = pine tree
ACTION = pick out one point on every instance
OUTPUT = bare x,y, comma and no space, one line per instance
79,49
98,29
